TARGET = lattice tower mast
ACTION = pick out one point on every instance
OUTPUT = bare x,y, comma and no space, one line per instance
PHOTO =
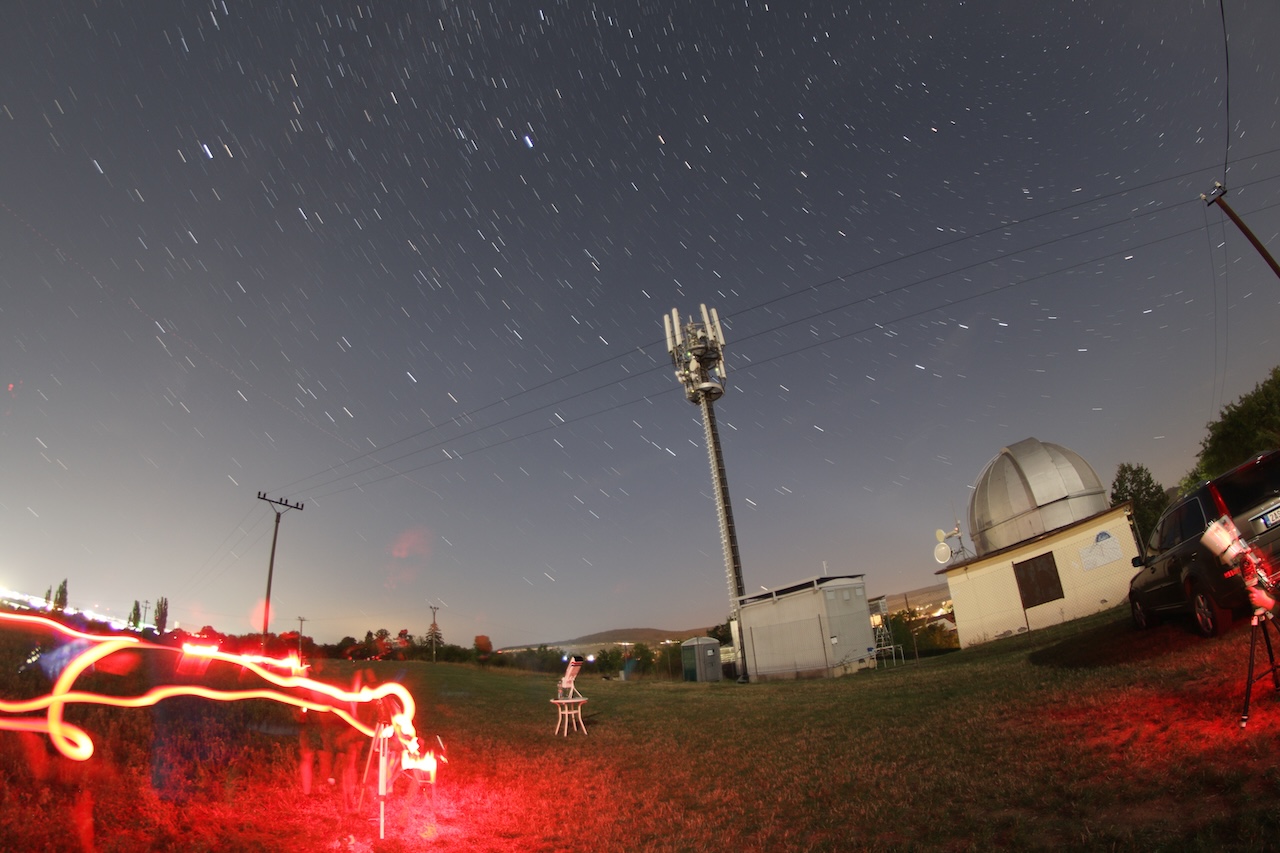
697,351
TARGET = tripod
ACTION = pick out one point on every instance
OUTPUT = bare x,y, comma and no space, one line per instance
380,746
1261,624
392,761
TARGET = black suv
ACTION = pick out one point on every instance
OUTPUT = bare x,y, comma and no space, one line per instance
1179,574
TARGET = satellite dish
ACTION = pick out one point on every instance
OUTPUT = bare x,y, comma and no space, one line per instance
940,535
942,552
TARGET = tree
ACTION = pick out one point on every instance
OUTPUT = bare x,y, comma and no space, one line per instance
643,656
721,633
135,615
210,633
376,645
60,597
1191,479
1245,428
48,597
609,660
162,614
912,631
1135,483
434,639
670,662
483,648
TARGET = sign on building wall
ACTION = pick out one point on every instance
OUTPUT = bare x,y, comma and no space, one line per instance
1105,549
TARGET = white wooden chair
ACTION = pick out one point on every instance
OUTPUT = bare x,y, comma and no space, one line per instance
568,700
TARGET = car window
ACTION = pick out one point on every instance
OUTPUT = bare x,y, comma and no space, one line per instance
1191,521
1251,485
1169,529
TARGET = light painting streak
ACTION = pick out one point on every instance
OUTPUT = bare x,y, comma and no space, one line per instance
75,743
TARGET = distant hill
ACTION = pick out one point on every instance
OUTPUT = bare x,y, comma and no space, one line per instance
649,636
926,599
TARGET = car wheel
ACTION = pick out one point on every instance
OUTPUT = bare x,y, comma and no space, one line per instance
1211,620
1142,618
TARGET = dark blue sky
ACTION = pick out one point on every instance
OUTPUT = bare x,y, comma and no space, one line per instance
407,263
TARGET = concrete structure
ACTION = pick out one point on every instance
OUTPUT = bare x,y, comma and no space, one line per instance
820,627
700,659
1070,572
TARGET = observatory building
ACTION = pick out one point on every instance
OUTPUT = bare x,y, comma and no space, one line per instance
1049,548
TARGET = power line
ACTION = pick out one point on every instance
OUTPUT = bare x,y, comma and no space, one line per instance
1213,285
852,334
758,306
915,283
1226,62
206,572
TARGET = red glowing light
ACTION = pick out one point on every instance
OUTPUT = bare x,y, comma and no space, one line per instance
285,674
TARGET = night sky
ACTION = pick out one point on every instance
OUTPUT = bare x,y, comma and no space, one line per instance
407,263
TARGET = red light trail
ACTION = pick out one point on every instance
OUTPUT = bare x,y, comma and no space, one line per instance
44,714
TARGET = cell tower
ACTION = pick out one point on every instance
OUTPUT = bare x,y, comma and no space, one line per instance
697,351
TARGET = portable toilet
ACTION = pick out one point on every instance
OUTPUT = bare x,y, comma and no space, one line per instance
701,659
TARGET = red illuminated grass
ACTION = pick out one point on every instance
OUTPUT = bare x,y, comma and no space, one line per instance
1087,736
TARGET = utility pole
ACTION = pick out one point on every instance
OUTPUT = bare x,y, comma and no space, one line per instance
301,619
266,607
434,631
146,605
697,351
1219,197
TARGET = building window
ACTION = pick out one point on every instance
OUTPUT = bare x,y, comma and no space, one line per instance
1038,580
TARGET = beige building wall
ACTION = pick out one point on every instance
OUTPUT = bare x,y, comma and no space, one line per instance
1094,559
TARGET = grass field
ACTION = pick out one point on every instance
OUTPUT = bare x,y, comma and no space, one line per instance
1086,736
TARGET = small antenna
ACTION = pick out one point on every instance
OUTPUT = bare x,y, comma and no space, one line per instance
943,552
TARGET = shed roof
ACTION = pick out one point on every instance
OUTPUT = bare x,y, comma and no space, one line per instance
813,583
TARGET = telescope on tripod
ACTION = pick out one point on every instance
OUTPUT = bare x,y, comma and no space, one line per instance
1223,539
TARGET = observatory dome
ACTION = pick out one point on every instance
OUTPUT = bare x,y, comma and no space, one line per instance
1030,488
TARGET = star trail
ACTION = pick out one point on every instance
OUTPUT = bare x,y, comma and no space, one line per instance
408,262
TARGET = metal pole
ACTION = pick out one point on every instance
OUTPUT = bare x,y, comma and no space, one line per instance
1219,198
822,638
434,629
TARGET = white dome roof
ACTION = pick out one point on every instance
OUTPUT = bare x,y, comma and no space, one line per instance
1030,488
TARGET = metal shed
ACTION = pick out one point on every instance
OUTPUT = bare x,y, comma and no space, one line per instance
816,628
